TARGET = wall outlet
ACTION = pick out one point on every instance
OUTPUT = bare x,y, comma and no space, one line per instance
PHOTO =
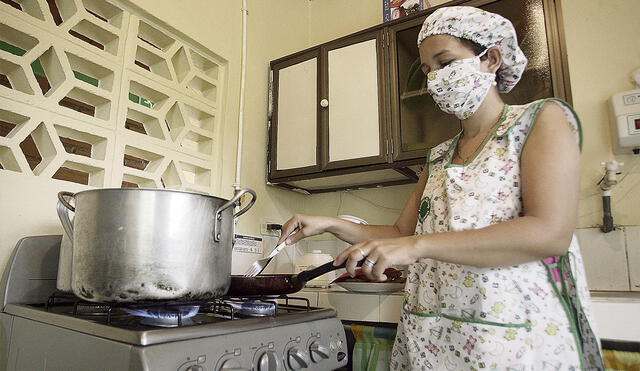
266,232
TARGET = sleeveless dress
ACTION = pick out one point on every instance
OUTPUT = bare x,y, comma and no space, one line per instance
531,316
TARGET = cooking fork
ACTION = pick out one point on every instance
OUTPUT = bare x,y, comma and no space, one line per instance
259,265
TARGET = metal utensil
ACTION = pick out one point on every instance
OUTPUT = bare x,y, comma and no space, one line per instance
259,265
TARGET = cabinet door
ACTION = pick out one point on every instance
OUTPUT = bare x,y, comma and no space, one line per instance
294,140
597,247
353,113
632,235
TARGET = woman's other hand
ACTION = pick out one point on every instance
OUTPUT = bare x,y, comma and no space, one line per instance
384,253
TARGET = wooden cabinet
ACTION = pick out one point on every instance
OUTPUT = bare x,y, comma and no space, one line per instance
355,112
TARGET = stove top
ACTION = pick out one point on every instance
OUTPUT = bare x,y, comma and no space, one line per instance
219,317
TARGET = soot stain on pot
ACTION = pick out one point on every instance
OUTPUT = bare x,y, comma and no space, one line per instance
86,293
164,286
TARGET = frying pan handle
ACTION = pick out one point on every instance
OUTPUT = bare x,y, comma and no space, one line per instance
319,271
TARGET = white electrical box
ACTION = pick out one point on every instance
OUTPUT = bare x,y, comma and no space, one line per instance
625,122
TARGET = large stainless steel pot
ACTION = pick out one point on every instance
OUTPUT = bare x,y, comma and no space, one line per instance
132,245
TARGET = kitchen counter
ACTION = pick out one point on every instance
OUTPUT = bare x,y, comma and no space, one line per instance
356,306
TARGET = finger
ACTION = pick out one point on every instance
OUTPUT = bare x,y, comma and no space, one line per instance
368,268
287,228
300,234
342,257
353,258
377,274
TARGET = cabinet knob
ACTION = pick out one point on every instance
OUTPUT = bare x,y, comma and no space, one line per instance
324,103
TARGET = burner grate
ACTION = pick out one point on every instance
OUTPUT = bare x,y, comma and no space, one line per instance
178,314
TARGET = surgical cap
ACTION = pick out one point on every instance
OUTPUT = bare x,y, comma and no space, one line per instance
484,28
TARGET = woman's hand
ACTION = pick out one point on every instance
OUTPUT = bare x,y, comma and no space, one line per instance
307,225
384,253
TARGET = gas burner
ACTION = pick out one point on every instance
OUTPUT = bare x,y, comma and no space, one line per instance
168,322
165,316
253,308
87,309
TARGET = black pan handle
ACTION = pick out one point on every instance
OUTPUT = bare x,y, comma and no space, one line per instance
306,276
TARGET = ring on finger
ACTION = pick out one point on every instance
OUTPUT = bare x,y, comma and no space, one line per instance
369,263
362,252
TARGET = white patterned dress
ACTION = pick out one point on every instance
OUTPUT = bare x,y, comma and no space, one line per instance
532,316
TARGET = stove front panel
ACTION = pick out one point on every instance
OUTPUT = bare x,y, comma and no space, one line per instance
314,345
38,346
282,348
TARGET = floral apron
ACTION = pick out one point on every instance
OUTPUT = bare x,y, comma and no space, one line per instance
531,316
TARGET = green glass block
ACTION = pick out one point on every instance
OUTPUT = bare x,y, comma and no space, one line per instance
86,78
145,102
141,100
134,98
11,49
36,66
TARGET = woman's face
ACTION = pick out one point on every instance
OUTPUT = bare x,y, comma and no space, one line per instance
438,51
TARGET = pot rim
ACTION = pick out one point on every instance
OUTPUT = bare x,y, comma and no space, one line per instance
149,189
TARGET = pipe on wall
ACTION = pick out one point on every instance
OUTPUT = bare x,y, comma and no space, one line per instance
243,73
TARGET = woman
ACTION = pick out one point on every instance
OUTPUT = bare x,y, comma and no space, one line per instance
495,277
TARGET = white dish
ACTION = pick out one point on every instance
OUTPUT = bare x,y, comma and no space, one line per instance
372,286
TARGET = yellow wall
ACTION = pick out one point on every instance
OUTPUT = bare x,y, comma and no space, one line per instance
603,49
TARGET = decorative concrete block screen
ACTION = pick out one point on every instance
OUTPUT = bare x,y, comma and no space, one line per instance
92,93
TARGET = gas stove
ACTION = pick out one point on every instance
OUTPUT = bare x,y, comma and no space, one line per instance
41,329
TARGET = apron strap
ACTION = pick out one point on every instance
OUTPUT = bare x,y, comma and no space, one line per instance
562,280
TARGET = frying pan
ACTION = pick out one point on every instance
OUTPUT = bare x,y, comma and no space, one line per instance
278,284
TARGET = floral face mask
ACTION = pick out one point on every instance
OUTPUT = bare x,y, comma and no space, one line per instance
460,87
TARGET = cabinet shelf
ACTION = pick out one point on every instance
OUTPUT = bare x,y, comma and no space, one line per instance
414,93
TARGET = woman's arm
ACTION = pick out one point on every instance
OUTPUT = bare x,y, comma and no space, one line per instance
310,225
550,176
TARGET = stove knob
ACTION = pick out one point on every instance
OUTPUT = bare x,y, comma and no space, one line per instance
318,352
195,368
232,365
268,361
297,359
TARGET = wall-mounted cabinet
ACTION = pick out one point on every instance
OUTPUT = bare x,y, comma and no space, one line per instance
355,112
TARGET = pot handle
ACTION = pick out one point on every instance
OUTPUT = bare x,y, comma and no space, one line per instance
228,204
63,208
